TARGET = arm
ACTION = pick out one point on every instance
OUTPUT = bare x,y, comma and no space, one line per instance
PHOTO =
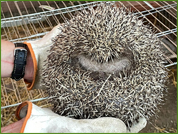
7,61
13,128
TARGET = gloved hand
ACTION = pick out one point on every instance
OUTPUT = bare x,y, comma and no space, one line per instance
43,120
38,50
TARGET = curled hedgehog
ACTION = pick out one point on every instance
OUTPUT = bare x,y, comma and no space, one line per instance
105,63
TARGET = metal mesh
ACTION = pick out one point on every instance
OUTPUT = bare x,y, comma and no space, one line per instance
30,20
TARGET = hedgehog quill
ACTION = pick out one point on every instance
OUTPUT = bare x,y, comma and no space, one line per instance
105,63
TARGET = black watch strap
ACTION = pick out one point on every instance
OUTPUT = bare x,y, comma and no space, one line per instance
20,57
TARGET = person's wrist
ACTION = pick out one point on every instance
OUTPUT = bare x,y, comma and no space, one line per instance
7,61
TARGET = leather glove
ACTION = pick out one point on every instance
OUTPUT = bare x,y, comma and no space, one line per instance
38,50
43,120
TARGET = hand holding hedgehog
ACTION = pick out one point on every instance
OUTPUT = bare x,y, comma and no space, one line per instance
35,119
103,63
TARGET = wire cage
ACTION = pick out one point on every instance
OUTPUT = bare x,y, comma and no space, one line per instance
31,20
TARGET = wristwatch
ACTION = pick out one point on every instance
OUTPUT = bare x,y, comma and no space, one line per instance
20,57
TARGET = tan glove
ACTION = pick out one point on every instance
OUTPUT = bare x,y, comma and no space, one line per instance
38,50
43,120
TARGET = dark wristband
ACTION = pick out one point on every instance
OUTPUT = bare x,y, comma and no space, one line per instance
20,57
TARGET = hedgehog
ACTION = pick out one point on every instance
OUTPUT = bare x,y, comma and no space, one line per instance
105,63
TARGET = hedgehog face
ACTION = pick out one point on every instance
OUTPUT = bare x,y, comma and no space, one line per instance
105,63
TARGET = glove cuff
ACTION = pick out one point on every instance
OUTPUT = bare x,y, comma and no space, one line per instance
27,113
31,112
30,84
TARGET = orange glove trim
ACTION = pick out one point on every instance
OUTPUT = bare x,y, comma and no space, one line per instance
30,85
29,111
